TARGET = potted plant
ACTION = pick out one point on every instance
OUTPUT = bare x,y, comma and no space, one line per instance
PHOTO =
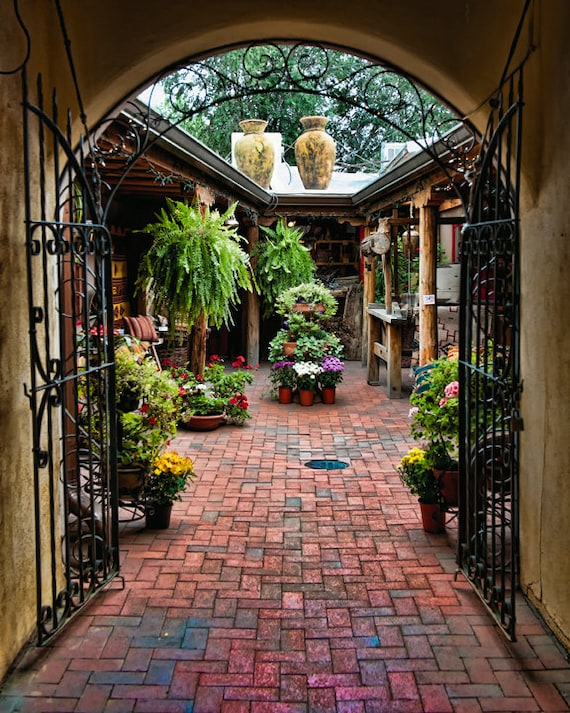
167,480
280,261
417,474
307,373
435,420
214,396
150,418
284,378
314,296
332,372
311,341
194,270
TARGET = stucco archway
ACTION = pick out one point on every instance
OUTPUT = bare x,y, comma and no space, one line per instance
117,50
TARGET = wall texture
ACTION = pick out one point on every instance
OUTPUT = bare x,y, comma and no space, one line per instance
458,49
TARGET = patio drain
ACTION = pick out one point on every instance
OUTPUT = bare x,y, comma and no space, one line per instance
326,464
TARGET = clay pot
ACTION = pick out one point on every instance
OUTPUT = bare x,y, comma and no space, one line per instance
203,423
449,481
433,517
285,394
306,397
254,152
328,395
315,153
289,348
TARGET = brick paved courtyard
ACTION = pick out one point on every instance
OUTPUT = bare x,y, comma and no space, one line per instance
283,589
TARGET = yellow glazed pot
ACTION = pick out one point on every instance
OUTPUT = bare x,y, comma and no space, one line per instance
254,152
315,153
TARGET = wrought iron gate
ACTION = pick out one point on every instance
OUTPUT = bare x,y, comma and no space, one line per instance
71,391
489,364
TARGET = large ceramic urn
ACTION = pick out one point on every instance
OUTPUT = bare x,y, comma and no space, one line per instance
254,152
315,153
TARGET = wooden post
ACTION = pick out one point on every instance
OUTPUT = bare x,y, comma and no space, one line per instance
253,309
368,295
197,344
428,308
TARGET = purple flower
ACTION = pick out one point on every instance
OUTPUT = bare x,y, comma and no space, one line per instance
332,364
283,365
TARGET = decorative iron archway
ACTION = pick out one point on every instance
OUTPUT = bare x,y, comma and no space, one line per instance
72,378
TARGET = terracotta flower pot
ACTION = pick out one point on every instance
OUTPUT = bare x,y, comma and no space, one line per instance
328,395
306,397
449,480
285,394
203,423
433,517
289,348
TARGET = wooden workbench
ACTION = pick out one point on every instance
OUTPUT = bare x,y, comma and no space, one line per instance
385,343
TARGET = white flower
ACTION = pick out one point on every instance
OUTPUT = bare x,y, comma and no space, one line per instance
307,368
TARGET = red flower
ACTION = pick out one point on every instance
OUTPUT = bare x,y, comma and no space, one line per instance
144,408
215,359
152,421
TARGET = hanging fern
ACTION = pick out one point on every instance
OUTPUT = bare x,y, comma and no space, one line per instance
195,266
280,261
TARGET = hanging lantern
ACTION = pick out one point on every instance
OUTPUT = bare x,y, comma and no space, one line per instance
410,243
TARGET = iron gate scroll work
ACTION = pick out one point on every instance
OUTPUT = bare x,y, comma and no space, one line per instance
71,391
489,364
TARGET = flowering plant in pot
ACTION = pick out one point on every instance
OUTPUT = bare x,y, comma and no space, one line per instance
307,373
150,422
435,412
313,294
283,374
332,372
215,391
417,474
168,477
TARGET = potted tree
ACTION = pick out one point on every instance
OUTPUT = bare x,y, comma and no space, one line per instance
194,270
417,474
280,261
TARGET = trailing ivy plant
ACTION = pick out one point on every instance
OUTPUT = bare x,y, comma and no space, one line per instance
195,266
280,261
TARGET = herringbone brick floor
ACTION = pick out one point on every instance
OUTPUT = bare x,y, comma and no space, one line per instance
282,589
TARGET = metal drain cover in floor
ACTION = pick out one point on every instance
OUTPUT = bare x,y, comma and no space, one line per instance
326,464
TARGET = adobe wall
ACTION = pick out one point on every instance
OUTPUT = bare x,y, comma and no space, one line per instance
116,50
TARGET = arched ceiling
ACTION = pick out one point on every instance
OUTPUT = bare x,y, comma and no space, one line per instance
457,48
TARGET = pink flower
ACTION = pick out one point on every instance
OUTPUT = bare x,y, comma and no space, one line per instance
413,411
443,401
452,390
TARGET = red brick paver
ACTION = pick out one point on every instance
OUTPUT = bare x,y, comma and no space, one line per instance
283,589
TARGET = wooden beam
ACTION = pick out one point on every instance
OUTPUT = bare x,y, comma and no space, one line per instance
427,296
253,309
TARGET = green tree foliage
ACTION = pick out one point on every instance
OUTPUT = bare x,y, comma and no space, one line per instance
367,104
